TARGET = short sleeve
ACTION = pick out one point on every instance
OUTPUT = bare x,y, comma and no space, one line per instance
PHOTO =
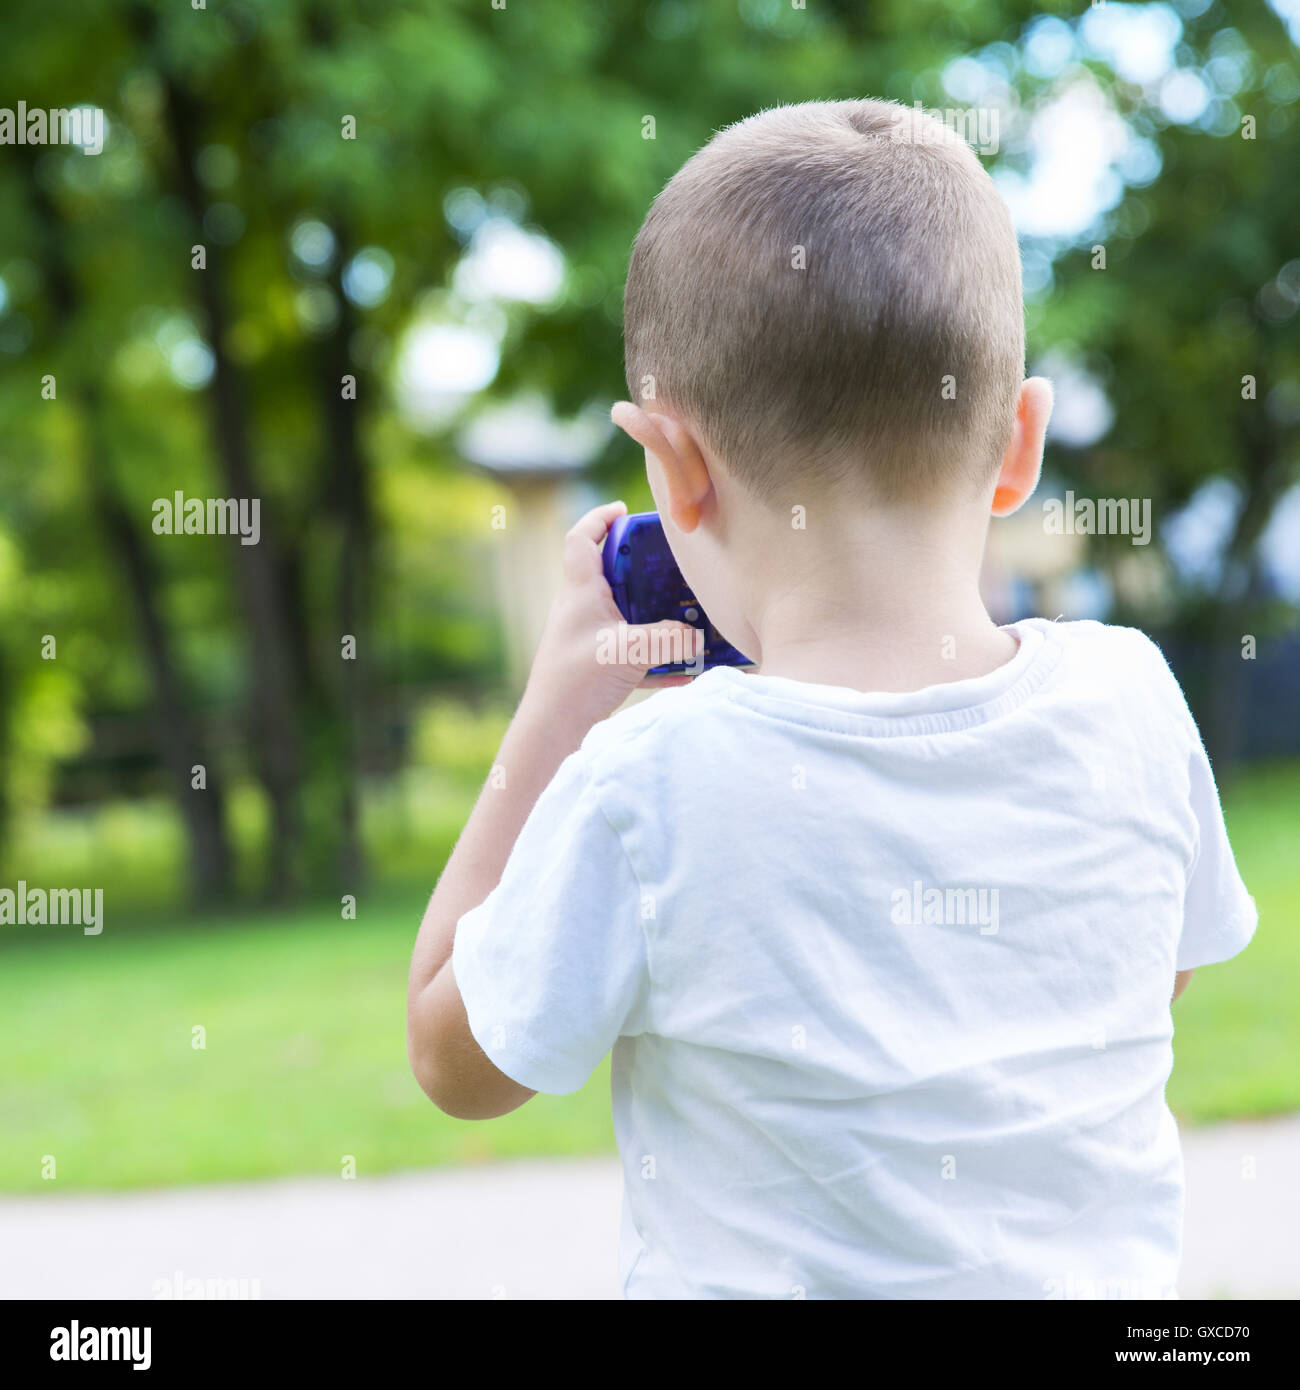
552,965
1219,915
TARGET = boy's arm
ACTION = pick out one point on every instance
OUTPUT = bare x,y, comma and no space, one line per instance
449,1065
1182,978
568,692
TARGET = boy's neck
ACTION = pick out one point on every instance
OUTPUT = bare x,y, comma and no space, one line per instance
885,602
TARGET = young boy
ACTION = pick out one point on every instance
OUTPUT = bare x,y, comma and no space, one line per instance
884,936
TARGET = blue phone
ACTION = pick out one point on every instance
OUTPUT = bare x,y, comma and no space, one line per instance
649,588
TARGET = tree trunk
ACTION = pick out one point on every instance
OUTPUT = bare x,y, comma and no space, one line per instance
203,808
349,501
277,684
179,743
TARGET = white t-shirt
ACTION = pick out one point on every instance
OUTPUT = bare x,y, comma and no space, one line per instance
886,976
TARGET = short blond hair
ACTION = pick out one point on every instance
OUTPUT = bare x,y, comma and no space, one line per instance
831,292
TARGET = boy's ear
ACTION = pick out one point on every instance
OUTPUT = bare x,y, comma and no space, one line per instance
1023,460
682,468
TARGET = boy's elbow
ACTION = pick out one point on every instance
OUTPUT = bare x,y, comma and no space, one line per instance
454,1100
436,1084
429,1068
453,1071
422,1068
427,1051
443,1079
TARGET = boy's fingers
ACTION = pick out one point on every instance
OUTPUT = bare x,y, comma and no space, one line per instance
583,542
596,522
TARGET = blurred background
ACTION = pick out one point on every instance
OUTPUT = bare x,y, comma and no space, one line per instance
364,262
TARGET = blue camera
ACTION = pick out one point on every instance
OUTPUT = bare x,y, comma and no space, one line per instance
649,588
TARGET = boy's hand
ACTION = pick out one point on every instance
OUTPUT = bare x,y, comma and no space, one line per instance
589,660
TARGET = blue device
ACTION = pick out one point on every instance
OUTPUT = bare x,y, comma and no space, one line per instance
649,588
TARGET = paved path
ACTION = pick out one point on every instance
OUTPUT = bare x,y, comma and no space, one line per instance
527,1230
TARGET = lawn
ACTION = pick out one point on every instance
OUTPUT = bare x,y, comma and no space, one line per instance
304,1061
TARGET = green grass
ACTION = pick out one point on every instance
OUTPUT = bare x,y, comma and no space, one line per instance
304,1064
305,1060
1237,1029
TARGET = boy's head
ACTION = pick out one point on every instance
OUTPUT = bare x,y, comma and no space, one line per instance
824,305
804,284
